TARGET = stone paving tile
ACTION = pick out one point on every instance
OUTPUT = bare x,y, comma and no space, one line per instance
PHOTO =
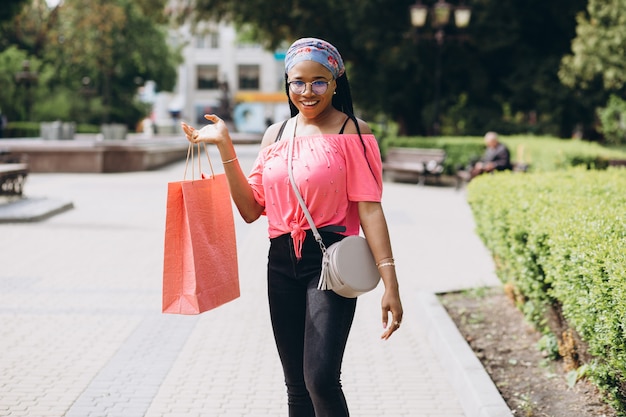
82,333
126,385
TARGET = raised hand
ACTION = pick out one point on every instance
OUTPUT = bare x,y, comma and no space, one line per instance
216,132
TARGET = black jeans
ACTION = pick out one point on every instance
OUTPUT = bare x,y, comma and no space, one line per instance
310,326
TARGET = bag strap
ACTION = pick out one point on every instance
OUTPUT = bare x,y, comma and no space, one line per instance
325,279
190,152
307,214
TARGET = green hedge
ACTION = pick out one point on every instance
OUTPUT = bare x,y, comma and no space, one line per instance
21,130
560,239
551,154
541,152
32,129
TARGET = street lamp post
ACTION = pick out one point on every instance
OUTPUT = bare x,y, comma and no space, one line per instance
87,91
440,18
27,78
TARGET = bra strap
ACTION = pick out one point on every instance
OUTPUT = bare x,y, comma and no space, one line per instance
282,129
280,132
344,125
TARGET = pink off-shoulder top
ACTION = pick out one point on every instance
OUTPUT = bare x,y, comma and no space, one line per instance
333,172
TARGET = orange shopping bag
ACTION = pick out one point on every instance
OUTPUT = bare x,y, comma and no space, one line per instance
200,263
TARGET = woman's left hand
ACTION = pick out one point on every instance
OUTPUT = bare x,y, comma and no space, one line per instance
391,306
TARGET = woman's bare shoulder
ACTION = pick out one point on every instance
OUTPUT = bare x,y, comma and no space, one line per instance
270,134
363,127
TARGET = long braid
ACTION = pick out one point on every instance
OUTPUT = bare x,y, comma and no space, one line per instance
343,102
292,108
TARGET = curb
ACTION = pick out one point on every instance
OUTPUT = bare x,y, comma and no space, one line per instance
32,209
475,390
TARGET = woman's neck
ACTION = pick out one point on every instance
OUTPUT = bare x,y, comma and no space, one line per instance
325,122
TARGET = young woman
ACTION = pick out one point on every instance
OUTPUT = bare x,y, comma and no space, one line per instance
337,166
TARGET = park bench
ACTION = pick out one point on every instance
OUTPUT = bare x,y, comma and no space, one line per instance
12,178
463,175
403,162
13,172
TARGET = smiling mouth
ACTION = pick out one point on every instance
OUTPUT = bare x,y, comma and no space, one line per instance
309,102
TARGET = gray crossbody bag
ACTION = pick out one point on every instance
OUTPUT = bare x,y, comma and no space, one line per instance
348,267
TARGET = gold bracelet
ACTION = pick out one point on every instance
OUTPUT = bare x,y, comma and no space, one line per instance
229,161
392,263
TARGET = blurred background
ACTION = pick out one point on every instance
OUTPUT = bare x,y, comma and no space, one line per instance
428,68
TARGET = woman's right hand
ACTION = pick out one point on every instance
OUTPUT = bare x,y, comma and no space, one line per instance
216,133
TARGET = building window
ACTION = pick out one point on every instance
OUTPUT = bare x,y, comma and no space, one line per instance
207,77
208,40
249,77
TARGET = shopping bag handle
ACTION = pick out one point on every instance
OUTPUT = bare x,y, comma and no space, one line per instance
190,152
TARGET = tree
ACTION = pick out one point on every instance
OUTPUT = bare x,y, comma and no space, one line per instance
597,63
91,55
599,48
112,46
505,69
15,98
519,45
29,29
10,8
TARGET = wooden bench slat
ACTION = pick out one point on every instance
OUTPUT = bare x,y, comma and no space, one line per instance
424,162
404,166
13,167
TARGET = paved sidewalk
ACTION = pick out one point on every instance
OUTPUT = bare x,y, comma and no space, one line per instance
82,334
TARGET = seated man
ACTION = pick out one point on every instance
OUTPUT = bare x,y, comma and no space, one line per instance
496,157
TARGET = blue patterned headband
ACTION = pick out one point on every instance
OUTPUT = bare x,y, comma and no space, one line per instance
318,50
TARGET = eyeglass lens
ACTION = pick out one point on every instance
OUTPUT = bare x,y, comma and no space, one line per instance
318,87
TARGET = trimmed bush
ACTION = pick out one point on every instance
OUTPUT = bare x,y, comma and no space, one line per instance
560,239
22,130
32,129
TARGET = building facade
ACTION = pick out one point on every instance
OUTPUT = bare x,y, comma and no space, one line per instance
241,82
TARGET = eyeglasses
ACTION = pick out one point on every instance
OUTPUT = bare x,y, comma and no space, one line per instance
317,87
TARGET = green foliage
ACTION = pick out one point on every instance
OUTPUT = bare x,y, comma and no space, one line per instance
549,345
13,96
613,120
542,153
549,154
90,58
572,377
10,8
599,46
559,238
22,130
56,106
116,46
86,128
503,63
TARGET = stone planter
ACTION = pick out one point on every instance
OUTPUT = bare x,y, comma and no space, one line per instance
57,130
114,131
